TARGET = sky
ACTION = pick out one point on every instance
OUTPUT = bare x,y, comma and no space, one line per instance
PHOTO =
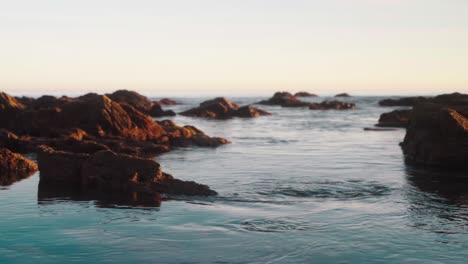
242,47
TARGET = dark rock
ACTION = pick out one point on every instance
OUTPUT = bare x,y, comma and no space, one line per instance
379,129
438,133
396,118
14,167
342,95
106,172
167,101
139,102
157,111
332,105
405,101
222,108
284,99
305,94
189,135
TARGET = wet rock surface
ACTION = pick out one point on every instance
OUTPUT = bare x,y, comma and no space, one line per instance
222,108
438,133
14,167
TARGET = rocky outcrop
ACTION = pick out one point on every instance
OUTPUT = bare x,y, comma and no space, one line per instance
284,99
438,133
405,101
305,94
222,108
189,135
332,105
396,118
106,172
139,102
342,95
14,167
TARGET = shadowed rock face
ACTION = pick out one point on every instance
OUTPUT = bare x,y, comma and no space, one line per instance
343,95
222,108
396,118
106,172
406,101
305,94
14,167
139,102
438,133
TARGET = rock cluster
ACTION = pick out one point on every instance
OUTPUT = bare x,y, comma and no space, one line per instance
94,138
222,108
305,94
286,99
342,95
405,101
140,102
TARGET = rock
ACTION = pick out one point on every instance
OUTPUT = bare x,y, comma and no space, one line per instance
342,95
396,118
139,102
304,94
189,135
14,167
106,172
284,99
100,116
157,111
405,101
222,108
438,133
331,105
8,103
379,129
167,101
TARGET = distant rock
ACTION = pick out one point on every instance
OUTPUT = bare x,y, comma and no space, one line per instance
284,99
332,105
106,172
438,132
405,101
9,103
14,167
167,101
304,94
343,95
396,118
222,108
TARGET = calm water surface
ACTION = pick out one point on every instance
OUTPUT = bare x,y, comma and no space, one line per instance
299,186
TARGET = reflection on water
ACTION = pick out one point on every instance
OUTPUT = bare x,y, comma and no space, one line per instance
49,194
438,199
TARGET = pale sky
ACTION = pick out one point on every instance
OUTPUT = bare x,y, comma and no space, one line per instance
242,47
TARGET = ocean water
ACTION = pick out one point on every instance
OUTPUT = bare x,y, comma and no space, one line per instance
299,186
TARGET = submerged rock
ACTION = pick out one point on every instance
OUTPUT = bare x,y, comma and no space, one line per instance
222,108
396,118
14,167
342,95
438,133
405,101
106,172
305,94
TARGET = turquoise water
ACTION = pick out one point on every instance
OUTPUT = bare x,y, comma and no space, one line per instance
297,187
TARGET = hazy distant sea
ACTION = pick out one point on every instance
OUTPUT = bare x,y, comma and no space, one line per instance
299,186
